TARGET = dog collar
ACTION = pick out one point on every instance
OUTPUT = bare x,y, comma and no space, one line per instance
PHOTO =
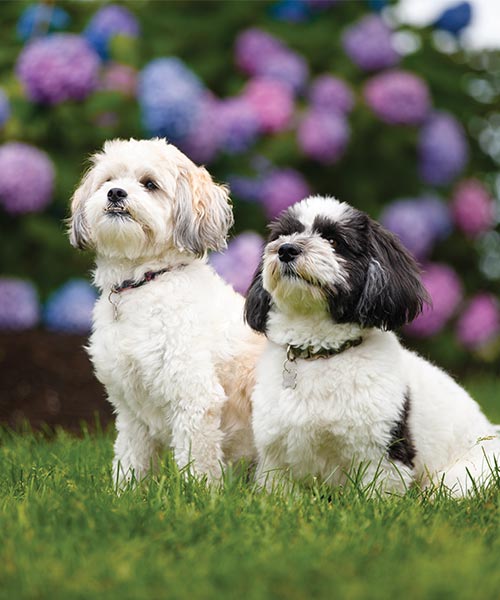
295,352
130,284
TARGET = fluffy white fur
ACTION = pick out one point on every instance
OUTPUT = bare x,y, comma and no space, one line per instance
175,355
351,409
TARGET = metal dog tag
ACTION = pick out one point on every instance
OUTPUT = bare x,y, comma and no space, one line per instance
289,374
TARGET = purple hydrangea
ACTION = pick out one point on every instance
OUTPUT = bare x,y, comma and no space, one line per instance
330,93
238,123
398,97
108,22
26,178
281,188
286,67
473,208
479,323
69,309
418,222
205,138
253,49
323,136
119,78
445,291
455,18
239,262
4,108
19,306
442,149
368,44
40,19
170,97
57,68
272,103
248,189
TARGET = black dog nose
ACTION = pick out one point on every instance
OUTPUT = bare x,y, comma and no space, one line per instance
288,252
116,195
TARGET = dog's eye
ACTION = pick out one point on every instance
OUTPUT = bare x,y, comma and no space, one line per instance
332,242
150,185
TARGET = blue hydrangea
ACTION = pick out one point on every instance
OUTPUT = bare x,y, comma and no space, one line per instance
455,18
291,11
248,189
108,22
239,124
40,19
69,309
19,306
4,108
170,96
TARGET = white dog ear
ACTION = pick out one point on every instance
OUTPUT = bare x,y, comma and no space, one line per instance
202,212
79,234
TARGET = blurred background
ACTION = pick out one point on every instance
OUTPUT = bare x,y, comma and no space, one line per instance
393,107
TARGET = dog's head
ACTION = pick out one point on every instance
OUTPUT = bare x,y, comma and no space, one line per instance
142,198
325,255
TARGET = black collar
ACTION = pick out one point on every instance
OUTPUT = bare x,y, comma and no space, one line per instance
294,352
130,284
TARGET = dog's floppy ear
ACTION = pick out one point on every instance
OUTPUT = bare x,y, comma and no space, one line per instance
393,292
79,234
257,303
202,212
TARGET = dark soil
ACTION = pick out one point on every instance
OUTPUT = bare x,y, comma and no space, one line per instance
46,379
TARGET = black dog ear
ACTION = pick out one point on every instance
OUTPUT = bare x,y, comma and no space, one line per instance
258,303
393,293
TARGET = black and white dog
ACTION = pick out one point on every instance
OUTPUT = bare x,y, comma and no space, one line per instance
335,389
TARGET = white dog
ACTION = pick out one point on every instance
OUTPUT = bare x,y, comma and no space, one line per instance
169,342
334,389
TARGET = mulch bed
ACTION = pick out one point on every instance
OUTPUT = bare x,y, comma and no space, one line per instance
46,379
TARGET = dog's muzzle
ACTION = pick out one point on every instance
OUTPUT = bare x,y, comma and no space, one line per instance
116,202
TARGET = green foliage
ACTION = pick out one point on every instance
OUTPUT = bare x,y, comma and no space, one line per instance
67,534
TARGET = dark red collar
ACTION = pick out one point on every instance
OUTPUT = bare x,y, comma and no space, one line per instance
130,284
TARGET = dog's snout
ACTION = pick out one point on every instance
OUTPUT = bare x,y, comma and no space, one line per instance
288,252
117,195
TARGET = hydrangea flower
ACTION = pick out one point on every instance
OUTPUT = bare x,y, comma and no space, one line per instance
418,222
286,67
26,178
119,78
248,189
368,44
330,93
4,108
291,11
455,18
57,68
109,21
239,262
398,97
442,149
445,290
170,97
19,306
323,136
238,123
473,208
480,321
205,138
281,188
40,19
272,103
253,49
69,309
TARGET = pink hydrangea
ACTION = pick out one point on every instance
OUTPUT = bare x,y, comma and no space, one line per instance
281,188
330,93
398,97
445,290
272,103
473,208
480,321
323,136
239,262
119,78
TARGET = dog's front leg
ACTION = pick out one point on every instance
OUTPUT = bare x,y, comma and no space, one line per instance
197,435
135,450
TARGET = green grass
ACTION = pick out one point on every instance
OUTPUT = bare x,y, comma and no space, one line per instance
65,533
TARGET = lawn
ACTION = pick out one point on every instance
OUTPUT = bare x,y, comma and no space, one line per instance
65,533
